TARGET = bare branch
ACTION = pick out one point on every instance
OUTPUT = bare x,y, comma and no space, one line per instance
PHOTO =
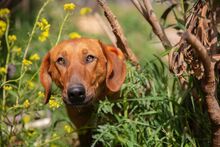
147,11
137,4
116,29
199,48
209,85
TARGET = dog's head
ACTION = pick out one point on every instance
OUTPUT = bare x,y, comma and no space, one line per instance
82,68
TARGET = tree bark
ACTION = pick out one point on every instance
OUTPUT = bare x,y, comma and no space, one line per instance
208,87
121,40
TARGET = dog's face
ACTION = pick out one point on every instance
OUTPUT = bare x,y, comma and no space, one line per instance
82,68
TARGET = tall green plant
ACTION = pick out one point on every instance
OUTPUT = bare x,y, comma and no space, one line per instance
21,104
152,112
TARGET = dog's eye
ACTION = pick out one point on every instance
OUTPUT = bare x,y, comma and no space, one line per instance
90,58
61,61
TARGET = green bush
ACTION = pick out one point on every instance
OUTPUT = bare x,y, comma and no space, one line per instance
22,95
153,112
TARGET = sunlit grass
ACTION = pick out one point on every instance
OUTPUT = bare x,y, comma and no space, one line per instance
162,116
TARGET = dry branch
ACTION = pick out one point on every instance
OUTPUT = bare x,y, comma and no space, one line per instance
116,29
198,51
199,48
146,9
209,86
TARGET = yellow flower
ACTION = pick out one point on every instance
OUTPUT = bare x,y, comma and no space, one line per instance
40,94
3,70
43,24
26,104
26,119
35,57
45,28
12,38
7,88
3,26
16,50
69,6
30,85
26,62
84,11
68,128
53,103
4,12
74,35
44,21
43,36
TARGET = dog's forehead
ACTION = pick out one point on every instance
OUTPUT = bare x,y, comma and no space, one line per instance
78,45
87,46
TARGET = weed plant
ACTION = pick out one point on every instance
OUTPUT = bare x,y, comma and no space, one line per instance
25,121
153,111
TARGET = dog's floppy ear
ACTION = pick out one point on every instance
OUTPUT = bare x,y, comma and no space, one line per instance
116,68
45,77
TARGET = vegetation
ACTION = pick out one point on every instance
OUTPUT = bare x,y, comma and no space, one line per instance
21,102
154,110
163,116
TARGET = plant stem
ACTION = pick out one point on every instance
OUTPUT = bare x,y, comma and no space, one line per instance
6,63
61,27
30,39
125,105
49,141
5,76
15,80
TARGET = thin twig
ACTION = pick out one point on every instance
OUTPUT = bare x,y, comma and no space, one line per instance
15,80
117,30
137,4
147,11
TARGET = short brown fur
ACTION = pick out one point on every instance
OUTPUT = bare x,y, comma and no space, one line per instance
101,77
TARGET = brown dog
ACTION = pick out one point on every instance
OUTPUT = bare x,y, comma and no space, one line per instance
86,70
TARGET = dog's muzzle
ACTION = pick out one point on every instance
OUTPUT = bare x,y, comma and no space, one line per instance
76,94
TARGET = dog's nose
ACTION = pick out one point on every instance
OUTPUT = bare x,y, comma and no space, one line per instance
76,94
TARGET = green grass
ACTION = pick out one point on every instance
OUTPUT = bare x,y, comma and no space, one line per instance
163,116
